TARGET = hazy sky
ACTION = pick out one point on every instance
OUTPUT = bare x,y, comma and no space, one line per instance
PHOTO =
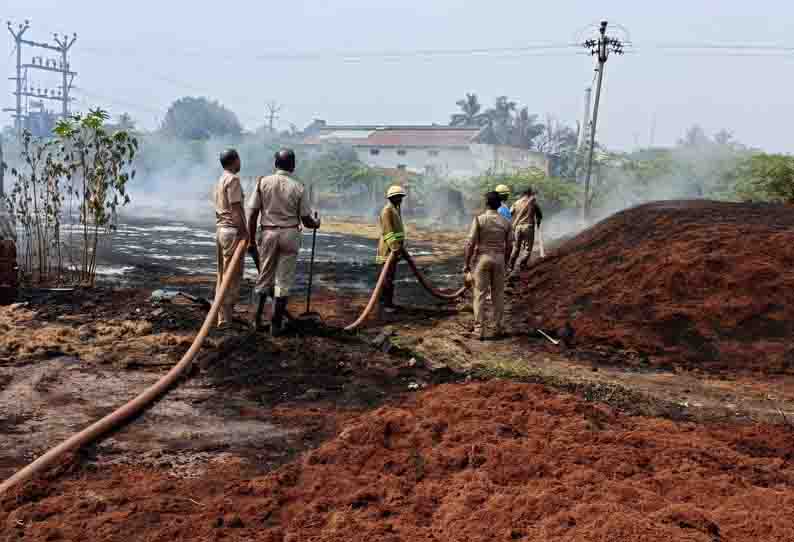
138,56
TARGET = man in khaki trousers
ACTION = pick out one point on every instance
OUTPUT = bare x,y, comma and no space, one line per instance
526,216
490,243
280,205
231,227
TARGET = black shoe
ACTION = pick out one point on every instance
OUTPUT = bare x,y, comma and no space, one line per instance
277,323
260,309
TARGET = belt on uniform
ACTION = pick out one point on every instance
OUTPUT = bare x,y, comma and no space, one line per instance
262,227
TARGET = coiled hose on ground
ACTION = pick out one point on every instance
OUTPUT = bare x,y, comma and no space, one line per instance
136,405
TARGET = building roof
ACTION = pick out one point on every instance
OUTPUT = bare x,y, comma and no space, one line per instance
395,136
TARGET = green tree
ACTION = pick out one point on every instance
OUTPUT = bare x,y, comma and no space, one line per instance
500,118
471,112
694,137
525,129
199,118
333,169
35,203
723,137
767,177
554,194
98,165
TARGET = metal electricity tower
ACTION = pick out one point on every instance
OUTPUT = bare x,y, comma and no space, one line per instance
600,48
62,45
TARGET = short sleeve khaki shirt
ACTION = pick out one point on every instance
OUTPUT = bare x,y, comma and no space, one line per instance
490,232
523,212
281,201
228,191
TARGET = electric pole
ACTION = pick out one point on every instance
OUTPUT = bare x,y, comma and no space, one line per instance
2,173
588,92
273,110
18,36
65,44
62,46
601,49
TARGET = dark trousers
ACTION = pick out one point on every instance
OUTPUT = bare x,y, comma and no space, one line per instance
387,296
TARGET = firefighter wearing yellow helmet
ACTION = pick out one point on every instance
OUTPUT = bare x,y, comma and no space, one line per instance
504,194
392,236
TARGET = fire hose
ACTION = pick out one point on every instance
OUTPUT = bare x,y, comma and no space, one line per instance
423,280
135,406
376,293
144,399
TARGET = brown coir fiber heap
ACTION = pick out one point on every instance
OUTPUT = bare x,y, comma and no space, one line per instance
699,283
508,461
479,462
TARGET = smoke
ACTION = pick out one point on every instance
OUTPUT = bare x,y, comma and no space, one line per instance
702,171
175,179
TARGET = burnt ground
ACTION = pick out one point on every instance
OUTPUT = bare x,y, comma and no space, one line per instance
224,455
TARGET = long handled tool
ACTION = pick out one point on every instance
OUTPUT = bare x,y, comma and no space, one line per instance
309,315
540,242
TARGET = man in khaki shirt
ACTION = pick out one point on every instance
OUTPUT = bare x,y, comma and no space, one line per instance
281,204
230,225
489,239
526,215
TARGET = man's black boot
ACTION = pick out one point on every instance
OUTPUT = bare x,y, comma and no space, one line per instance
260,309
277,323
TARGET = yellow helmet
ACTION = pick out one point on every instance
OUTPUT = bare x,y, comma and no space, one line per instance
502,190
395,190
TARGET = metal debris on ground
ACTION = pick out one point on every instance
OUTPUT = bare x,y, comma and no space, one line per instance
553,341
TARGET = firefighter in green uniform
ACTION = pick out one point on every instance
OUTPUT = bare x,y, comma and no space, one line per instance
391,240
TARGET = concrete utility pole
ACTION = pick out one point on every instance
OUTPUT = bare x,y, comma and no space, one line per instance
601,49
2,173
588,92
62,47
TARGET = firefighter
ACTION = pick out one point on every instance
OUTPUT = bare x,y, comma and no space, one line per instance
526,216
504,194
281,204
231,228
488,247
392,237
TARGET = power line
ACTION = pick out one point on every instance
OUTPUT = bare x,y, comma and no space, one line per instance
542,49
719,46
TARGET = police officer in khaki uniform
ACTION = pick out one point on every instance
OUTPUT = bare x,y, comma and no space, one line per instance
526,216
281,204
231,227
490,243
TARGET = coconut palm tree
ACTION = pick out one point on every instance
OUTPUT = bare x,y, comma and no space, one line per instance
470,116
525,129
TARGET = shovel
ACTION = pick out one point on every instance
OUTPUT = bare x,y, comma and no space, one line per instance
540,242
311,316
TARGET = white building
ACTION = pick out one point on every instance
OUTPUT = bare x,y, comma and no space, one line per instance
442,150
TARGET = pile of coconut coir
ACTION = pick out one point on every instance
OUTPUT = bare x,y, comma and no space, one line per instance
698,283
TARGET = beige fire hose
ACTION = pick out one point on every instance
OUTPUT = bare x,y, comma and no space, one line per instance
391,262
135,406
373,300
429,287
